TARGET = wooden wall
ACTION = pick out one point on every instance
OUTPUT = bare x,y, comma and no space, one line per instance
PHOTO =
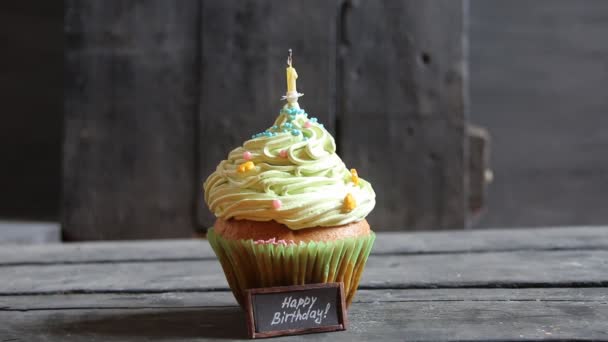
539,83
131,96
538,80
31,97
158,92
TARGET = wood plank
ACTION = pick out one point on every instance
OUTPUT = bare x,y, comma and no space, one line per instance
546,109
401,98
476,241
224,298
495,269
244,52
422,319
557,238
28,233
131,101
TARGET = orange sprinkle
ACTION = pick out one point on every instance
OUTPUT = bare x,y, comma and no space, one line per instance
349,203
246,166
354,176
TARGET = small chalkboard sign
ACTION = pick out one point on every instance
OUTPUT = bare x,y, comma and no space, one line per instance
293,310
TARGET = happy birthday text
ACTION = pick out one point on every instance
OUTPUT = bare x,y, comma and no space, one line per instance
300,309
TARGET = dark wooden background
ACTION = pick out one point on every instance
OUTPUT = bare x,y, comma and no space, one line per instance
539,83
156,93
31,112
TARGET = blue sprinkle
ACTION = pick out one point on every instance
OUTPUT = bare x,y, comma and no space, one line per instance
300,111
320,125
295,132
313,119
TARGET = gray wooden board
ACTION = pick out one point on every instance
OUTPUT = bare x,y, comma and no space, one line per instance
28,233
131,100
477,241
244,53
477,285
171,299
492,269
401,115
500,314
539,84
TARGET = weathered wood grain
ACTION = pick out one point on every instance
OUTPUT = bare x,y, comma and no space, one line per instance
152,109
396,315
131,98
538,83
401,109
243,59
423,190
473,241
495,269
225,298
524,292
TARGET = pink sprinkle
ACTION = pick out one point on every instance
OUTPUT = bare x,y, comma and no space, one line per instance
283,153
247,155
276,204
307,124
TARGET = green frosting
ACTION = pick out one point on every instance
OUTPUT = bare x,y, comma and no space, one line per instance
308,178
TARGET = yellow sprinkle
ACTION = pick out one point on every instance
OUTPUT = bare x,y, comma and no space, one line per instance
349,203
246,166
249,165
354,176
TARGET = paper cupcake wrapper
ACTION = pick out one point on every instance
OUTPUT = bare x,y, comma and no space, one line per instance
250,265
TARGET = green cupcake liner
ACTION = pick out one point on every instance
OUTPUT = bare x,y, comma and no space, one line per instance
249,265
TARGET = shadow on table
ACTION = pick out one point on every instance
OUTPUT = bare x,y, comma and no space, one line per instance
214,322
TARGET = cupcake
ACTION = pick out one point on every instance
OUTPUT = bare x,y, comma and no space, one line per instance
289,212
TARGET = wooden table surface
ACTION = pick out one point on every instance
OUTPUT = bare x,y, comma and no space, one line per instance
475,285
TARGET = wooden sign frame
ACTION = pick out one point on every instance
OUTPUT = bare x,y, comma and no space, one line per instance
340,307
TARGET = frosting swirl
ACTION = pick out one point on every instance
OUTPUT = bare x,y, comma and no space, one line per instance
289,173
